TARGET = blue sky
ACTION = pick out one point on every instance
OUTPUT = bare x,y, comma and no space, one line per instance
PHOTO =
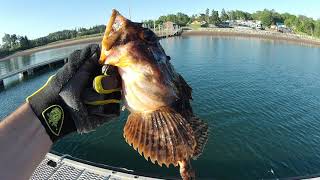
36,18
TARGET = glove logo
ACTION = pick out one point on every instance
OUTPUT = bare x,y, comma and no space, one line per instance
54,116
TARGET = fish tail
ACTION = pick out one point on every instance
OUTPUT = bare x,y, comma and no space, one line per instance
201,132
163,135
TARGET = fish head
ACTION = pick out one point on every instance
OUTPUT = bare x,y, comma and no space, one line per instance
147,75
126,43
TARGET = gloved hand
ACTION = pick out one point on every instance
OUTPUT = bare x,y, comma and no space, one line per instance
78,97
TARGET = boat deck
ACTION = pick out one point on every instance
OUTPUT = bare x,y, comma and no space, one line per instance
61,167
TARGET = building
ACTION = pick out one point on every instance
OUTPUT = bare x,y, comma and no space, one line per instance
169,25
201,23
257,25
195,22
254,24
282,28
224,24
273,27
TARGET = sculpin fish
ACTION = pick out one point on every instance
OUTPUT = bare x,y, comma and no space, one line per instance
161,126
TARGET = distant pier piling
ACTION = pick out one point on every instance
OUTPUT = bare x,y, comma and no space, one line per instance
1,84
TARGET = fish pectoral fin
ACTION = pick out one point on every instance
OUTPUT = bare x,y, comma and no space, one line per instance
201,133
162,135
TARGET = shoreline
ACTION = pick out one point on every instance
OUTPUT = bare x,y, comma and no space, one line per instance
259,34
226,32
58,44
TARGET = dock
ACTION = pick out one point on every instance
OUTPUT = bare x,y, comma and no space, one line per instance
61,167
169,33
31,69
165,30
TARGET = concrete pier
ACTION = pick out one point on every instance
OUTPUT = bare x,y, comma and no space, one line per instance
32,69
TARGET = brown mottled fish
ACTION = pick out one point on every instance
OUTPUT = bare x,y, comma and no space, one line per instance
161,125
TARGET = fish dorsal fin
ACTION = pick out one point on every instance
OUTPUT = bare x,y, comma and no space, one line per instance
162,135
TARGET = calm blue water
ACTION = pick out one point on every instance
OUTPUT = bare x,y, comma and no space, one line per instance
261,99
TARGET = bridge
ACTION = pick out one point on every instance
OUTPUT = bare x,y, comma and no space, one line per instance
31,69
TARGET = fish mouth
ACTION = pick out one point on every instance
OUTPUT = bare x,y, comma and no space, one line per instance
114,28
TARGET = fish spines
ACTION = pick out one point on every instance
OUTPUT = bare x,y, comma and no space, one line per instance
163,136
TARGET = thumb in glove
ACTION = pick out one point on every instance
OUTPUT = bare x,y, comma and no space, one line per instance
59,104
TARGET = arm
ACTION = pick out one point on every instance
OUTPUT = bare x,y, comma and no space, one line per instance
24,143
67,103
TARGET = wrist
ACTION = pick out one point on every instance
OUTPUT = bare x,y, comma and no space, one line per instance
54,118
29,113
51,110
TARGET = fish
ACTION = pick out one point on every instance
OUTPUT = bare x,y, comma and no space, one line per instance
161,125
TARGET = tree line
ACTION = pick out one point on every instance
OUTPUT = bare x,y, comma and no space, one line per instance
13,42
299,24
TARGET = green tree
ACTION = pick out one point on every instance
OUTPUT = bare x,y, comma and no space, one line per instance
7,41
24,42
223,15
207,15
231,15
214,18
14,43
201,17
269,17
148,23
317,28
237,14
307,25
192,18
289,20
182,19
162,19
265,17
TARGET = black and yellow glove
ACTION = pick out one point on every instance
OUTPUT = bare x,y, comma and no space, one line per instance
78,97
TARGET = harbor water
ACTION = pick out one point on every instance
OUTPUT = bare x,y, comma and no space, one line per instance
261,99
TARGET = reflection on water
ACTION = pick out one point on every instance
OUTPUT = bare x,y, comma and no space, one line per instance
37,57
260,98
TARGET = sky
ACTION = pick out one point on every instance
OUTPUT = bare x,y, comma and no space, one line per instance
37,18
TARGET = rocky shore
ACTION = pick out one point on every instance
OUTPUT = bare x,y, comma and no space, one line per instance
264,34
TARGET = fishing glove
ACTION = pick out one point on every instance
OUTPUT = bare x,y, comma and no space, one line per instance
78,97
